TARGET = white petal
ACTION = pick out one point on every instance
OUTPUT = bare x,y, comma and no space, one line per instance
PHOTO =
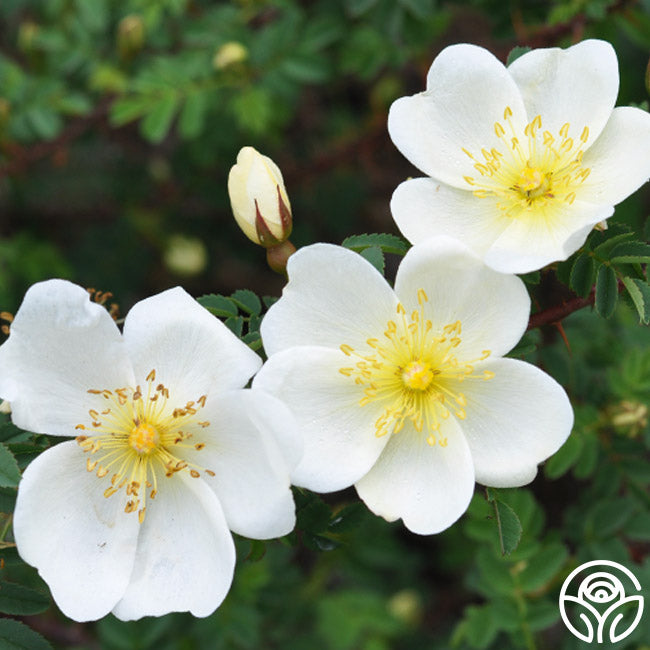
578,85
252,443
424,208
192,352
468,90
620,159
428,487
185,557
334,296
340,440
60,345
82,543
529,243
493,308
514,421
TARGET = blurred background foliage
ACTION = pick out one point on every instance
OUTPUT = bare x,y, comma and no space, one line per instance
119,121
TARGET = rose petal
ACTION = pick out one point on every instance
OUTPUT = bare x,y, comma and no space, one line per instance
334,296
428,487
514,421
185,557
192,352
578,86
60,345
423,208
531,242
620,159
340,440
251,444
82,543
493,308
468,90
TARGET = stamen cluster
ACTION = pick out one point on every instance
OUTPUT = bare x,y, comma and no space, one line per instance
415,372
140,436
532,171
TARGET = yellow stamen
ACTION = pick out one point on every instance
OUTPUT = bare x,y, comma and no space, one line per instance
141,438
414,372
533,172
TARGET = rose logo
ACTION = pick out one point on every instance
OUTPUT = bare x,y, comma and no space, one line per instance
599,605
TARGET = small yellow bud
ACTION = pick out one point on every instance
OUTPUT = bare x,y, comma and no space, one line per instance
406,605
130,35
5,111
629,417
5,407
259,199
185,255
27,32
229,54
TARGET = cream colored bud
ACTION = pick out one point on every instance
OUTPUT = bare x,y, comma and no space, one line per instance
629,417
27,33
5,407
5,111
229,54
185,255
259,199
406,605
130,35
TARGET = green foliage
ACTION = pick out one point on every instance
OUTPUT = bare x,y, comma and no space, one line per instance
19,600
113,140
610,261
515,53
375,256
241,312
373,247
387,243
508,524
9,472
369,628
16,636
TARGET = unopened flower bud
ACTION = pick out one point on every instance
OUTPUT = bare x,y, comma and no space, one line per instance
185,255
259,199
5,407
229,54
5,111
630,417
27,32
406,605
130,35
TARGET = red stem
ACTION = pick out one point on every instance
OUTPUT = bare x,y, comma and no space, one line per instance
556,313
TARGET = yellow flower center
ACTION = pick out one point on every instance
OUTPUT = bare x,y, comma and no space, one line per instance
137,438
144,438
533,172
414,373
417,375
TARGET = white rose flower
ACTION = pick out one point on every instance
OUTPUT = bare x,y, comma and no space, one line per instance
524,160
404,393
133,516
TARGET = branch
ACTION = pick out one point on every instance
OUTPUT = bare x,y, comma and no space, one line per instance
545,35
556,313
20,157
